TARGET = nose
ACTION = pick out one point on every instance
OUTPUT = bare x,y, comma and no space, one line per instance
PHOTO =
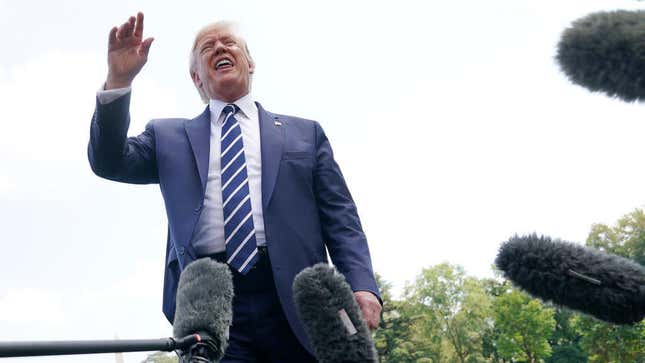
219,47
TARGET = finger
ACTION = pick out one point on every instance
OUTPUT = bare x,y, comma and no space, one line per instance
370,322
138,28
145,47
130,27
373,317
374,320
112,36
368,315
120,34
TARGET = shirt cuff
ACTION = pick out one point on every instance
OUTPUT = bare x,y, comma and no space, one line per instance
106,96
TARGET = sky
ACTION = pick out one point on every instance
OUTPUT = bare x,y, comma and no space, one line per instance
451,121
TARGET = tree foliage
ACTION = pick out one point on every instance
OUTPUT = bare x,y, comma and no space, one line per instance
524,327
609,343
453,310
565,340
626,238
394,338
445,316
605,342
161,357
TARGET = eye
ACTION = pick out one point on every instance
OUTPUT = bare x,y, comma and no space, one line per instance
206,47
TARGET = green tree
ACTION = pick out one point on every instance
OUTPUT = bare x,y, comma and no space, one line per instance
566,339
393,339
161,357
626,238
608,343
494,287
524,327
453,311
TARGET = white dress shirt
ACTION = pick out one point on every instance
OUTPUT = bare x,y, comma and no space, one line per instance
208,237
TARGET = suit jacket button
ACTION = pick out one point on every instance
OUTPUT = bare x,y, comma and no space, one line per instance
181,250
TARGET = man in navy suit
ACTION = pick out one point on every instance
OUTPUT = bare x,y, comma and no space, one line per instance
293,205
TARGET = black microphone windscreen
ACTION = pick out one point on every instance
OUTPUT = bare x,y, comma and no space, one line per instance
606,286
204,302
605,52
331,317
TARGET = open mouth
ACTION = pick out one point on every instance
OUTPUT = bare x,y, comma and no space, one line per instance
223,63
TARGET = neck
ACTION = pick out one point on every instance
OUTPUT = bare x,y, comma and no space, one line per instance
230,97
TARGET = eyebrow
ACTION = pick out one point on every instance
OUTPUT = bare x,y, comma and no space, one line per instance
210,40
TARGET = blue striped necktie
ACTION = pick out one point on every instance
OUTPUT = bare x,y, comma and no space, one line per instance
239,231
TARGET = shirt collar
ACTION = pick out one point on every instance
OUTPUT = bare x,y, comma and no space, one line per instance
245,103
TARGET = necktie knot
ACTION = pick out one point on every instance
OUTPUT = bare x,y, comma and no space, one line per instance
230,108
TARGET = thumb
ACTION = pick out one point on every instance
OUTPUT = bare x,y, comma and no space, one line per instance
144,48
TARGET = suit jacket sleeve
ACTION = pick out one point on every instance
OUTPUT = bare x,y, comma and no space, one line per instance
341,227
112,154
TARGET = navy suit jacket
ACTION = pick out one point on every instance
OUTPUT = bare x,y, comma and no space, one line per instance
305,201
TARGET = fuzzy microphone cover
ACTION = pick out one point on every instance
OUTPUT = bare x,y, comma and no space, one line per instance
606,286
605,52
320,293
204,301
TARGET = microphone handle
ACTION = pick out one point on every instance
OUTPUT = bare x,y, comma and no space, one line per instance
40,348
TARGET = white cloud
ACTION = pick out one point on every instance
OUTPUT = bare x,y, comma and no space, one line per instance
143,281
47,99
46,119
7,186
31,305
50,100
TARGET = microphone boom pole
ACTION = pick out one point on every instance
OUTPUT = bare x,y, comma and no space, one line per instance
40,348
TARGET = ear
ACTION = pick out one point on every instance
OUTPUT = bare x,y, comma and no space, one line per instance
251,65
196,80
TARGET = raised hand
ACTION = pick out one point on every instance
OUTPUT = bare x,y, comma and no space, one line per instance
127,52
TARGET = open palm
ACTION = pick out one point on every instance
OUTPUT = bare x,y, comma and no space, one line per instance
127,52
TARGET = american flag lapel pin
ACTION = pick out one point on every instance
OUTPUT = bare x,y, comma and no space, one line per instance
277,123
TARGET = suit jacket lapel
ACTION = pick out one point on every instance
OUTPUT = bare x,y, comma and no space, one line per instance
199,132
271,139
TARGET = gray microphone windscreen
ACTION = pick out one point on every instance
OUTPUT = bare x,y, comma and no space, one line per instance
606,286
331,317
605,52
204,301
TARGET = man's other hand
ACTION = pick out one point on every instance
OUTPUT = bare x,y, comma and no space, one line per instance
370,307
127,52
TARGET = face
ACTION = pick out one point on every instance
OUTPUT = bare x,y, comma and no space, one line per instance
222,68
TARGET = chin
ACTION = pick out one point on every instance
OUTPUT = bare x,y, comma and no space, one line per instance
231,90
